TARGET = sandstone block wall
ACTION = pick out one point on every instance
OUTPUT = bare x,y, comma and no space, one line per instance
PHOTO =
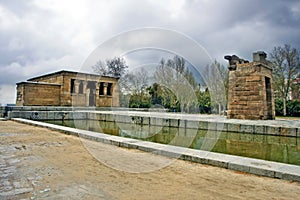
69,93
32,94
250,92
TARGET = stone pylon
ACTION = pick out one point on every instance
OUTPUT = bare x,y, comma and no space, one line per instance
250,92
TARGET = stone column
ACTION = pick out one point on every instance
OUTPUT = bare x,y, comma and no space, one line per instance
87,96
97,93
105,88
97,88
85,87
76,84
86,91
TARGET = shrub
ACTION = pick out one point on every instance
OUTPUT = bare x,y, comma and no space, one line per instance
278,107
292,108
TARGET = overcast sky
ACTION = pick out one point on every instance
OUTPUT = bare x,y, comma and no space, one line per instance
41,36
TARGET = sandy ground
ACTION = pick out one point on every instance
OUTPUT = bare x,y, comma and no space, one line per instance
37,163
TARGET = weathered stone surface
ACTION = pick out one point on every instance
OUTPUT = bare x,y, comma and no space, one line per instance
250,93
66,88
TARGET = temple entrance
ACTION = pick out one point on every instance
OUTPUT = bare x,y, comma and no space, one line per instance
92,87
268,96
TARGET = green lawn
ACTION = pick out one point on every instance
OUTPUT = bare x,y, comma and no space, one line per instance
288,118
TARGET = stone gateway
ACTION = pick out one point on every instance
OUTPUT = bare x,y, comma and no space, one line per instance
250,92
67,88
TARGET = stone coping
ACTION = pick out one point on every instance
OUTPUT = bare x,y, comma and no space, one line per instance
205,117
218,122
289,128
238,163
66,108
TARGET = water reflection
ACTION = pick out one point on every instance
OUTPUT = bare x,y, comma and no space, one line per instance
267,147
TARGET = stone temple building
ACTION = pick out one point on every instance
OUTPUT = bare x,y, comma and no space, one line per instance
250,90
68,88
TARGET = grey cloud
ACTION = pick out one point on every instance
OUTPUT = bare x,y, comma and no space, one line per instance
36,39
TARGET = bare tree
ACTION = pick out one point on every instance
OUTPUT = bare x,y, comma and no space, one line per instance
100,68
176,67
177,79
115,67
217,81
179,64
133,87
286,66
135,83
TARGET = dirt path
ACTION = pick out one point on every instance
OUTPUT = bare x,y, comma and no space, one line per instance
37,163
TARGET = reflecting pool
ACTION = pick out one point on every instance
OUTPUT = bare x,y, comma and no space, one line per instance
267,147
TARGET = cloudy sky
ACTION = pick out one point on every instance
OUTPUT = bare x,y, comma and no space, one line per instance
41,36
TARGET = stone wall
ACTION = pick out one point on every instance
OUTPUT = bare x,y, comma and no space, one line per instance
77,89
33,94
250,92
76,98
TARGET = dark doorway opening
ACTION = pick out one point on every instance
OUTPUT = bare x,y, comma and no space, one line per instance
72,85
109,89
101,89
92,86
268,96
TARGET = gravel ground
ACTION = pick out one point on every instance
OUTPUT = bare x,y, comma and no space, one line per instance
37,163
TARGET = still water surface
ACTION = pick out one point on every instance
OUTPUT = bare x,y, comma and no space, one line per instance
267,147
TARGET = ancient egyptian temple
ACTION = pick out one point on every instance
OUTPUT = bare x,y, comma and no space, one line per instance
68,88
250,92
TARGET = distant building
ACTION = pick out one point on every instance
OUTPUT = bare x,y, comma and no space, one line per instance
68,88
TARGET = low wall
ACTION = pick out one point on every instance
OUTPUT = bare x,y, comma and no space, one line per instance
156,121
5,109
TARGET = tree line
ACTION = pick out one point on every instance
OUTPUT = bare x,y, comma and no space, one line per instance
175,88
